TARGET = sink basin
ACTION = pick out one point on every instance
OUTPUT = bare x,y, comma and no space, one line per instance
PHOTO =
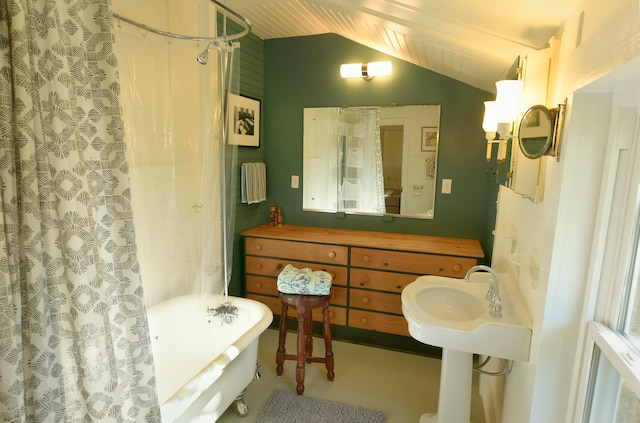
453,313
448,303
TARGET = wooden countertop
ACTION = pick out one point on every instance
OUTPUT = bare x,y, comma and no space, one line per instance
369,239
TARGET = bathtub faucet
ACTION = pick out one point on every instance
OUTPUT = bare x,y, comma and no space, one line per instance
226,311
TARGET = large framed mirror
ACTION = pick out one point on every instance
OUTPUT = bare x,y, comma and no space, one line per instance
371,160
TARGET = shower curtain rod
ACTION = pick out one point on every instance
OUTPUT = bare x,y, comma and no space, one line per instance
245,21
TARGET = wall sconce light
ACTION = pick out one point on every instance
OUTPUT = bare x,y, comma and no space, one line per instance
499,116
365,70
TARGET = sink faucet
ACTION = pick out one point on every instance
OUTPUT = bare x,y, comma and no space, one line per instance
493,294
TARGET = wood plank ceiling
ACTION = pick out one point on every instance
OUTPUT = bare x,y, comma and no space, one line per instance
468,40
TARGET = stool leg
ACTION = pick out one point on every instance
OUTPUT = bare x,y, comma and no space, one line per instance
327,342
281,340
308,336
301,350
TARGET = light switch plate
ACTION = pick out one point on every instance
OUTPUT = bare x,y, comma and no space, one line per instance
295,181
446,186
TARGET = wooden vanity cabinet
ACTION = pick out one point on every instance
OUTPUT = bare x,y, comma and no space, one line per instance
369,269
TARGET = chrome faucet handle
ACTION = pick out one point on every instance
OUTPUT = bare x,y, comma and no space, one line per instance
495,308
491,292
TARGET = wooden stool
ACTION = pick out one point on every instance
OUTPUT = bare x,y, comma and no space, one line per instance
303,304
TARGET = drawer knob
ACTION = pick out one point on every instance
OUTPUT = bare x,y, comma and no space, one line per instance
365,300
331,314
332,254
364,320
258,247
259,285
365,279
258,266
366,259
333,275
457,268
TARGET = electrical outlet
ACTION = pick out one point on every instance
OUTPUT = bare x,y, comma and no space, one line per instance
446,186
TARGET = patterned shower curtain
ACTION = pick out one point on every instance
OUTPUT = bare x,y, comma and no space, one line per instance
74,341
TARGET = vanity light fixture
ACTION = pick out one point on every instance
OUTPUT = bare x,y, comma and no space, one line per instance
490,124
499,116
365,70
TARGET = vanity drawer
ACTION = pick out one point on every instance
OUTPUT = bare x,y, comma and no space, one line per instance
378,301
256,265
305,251
382,281
417,263
337,315
272,302
378,322
263,285
339,296
268,286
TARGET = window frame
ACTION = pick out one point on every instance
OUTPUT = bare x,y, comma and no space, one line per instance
617,262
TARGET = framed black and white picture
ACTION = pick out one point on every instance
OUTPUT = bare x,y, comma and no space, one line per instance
244,121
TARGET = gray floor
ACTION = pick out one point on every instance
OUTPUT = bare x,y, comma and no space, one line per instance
403,385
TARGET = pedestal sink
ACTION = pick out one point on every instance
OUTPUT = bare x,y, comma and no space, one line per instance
453,314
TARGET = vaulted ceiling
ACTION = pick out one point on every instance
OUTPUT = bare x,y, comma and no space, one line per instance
472,41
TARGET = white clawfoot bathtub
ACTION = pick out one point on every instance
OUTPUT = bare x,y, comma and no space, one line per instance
203,364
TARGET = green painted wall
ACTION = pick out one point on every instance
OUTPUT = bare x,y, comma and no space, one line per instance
304,72
290,74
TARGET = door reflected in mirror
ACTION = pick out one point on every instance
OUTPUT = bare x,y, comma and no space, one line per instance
371,160
391,137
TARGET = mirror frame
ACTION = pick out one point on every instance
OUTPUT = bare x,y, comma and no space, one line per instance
552,144
418,124
543,113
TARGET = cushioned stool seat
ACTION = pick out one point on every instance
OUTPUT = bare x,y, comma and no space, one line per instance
304,304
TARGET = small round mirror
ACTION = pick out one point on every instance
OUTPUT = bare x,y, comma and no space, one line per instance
536,132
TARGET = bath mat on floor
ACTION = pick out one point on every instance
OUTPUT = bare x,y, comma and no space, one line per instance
288,407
